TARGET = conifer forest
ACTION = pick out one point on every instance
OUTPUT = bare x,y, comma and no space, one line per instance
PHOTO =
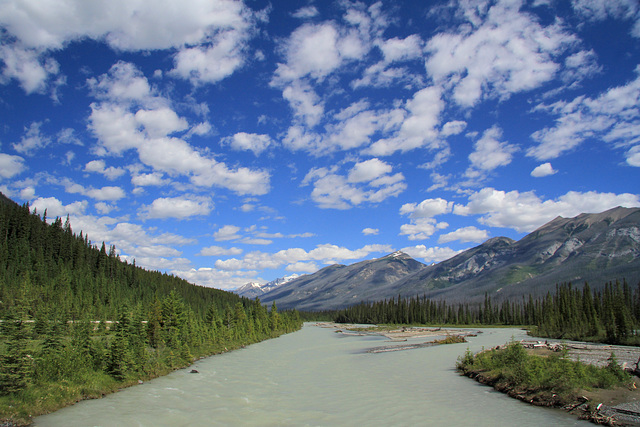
611,315
77,321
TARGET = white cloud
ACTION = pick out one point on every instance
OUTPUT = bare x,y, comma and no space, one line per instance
32,140
544,169
327,254
148,179
11,166
489,152
99,166
418,129
212,63
367,182
453,128
124,83
213,278
305,12
249,141
303,267
227,232
396,49
311,50
219,251
524,212
421,228
465,234
430,255
147,131
370,231
368,170
601,10
612,117
55,208
160,122
27,66
499,52
217,29
427,208
177,207
105,193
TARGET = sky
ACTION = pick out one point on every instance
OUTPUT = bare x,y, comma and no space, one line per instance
229,142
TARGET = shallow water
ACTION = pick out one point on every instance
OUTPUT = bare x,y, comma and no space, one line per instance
315,377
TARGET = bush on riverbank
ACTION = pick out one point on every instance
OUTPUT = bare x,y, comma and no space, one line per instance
550,380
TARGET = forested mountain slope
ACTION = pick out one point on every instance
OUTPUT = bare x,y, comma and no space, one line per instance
72,312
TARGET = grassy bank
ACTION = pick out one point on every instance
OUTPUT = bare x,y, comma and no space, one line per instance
43,397
551,380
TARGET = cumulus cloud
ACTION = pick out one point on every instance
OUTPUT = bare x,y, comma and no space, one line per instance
419,126
421,228
219,251
497,52
428,208
305,12
11,166
177,207
148,131
28,66
465,234
99,166
544,169
209,36
612,117
55,208
214,278
242,141
430,255
32,140
370,231
525,211
227,232
599,11
369,181
326,253
489,152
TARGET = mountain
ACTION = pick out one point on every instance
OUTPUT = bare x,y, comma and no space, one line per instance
590,247
340,285
255,289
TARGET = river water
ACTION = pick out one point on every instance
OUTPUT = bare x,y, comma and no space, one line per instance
316,377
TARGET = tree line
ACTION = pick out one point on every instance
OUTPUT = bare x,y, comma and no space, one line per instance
610,315
74,313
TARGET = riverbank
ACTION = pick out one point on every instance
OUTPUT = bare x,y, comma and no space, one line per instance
583,379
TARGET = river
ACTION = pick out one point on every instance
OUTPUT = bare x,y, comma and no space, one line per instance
316,377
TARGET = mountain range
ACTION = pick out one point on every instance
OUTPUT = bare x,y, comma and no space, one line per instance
596,248
255,289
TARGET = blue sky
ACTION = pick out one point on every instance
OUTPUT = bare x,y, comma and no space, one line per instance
229,142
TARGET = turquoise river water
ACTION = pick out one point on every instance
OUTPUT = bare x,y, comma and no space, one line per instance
316,377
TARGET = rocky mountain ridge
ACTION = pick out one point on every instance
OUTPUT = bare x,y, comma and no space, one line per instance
256,289
590,247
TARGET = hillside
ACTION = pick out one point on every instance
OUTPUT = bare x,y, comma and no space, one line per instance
590,247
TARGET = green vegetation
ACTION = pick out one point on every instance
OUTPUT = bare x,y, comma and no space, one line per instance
451,339
77,322
611,315
551,380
